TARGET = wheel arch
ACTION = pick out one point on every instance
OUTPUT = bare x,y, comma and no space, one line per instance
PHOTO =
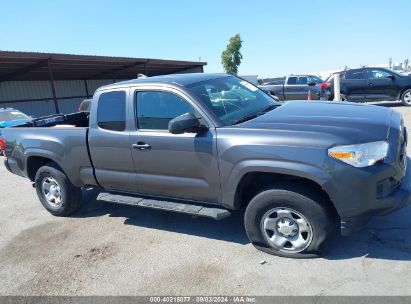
253,182
248,178
403,91
35,162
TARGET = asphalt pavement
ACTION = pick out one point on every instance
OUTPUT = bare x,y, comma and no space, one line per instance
108,249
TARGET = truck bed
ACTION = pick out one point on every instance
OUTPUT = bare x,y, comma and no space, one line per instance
61,138
80,119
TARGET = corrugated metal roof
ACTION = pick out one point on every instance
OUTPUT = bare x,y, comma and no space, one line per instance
34,66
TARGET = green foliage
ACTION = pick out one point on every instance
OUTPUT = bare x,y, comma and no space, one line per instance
231,57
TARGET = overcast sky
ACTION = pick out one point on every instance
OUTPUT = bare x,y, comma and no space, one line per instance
279,37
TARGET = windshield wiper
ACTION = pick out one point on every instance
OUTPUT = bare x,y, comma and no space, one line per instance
269,108
254,115
246,118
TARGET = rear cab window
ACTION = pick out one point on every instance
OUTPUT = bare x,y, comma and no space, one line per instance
111,111
354,75
292,80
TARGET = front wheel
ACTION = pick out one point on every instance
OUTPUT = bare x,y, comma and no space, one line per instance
55,191
290,220
406,98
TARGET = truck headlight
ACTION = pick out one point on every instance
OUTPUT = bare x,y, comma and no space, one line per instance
361,155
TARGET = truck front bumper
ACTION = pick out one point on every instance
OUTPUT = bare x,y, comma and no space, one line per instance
381,206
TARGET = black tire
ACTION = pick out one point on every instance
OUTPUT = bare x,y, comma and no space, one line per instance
297,197
70,196
405,98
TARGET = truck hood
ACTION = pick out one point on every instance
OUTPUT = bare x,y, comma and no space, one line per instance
353,122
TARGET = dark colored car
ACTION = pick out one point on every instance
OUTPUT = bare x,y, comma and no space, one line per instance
10,117
370,84
206,144
294,87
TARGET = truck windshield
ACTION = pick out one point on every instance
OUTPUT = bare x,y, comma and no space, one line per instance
317,79
232,100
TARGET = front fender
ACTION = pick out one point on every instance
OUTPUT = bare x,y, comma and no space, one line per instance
301,170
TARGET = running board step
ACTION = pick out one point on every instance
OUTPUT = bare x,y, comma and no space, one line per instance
215,213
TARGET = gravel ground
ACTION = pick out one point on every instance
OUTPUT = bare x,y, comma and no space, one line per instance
107,249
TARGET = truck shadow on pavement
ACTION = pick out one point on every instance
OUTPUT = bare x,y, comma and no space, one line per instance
387,237
230,229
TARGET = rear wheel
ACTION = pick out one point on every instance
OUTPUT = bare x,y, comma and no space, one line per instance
55,191
406,98
290,220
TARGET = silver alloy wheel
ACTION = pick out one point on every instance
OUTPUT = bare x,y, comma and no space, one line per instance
287,230
51,191
407,97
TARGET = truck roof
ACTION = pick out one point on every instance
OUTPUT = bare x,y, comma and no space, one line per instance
180,79
301,75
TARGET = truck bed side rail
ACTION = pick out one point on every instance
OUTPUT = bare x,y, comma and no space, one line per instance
77,119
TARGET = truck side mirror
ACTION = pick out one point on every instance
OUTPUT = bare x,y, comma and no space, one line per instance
185,123
391,77
311,83
273,96
272,93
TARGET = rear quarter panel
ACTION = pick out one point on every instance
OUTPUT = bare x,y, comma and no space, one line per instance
64,145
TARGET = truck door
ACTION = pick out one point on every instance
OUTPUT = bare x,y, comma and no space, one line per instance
354,85
292,89
303,87
381,85
109,141
169,165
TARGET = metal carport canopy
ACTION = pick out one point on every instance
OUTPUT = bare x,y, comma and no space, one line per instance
35,66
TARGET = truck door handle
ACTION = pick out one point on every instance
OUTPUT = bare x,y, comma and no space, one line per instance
141,146
370,83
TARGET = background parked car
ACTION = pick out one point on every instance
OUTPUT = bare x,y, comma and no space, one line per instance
294,87
10,117
84,106
370,84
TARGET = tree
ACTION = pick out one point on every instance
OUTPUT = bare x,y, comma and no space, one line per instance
406,62
231,57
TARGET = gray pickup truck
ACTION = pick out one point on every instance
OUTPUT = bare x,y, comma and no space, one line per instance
207,144
294,87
